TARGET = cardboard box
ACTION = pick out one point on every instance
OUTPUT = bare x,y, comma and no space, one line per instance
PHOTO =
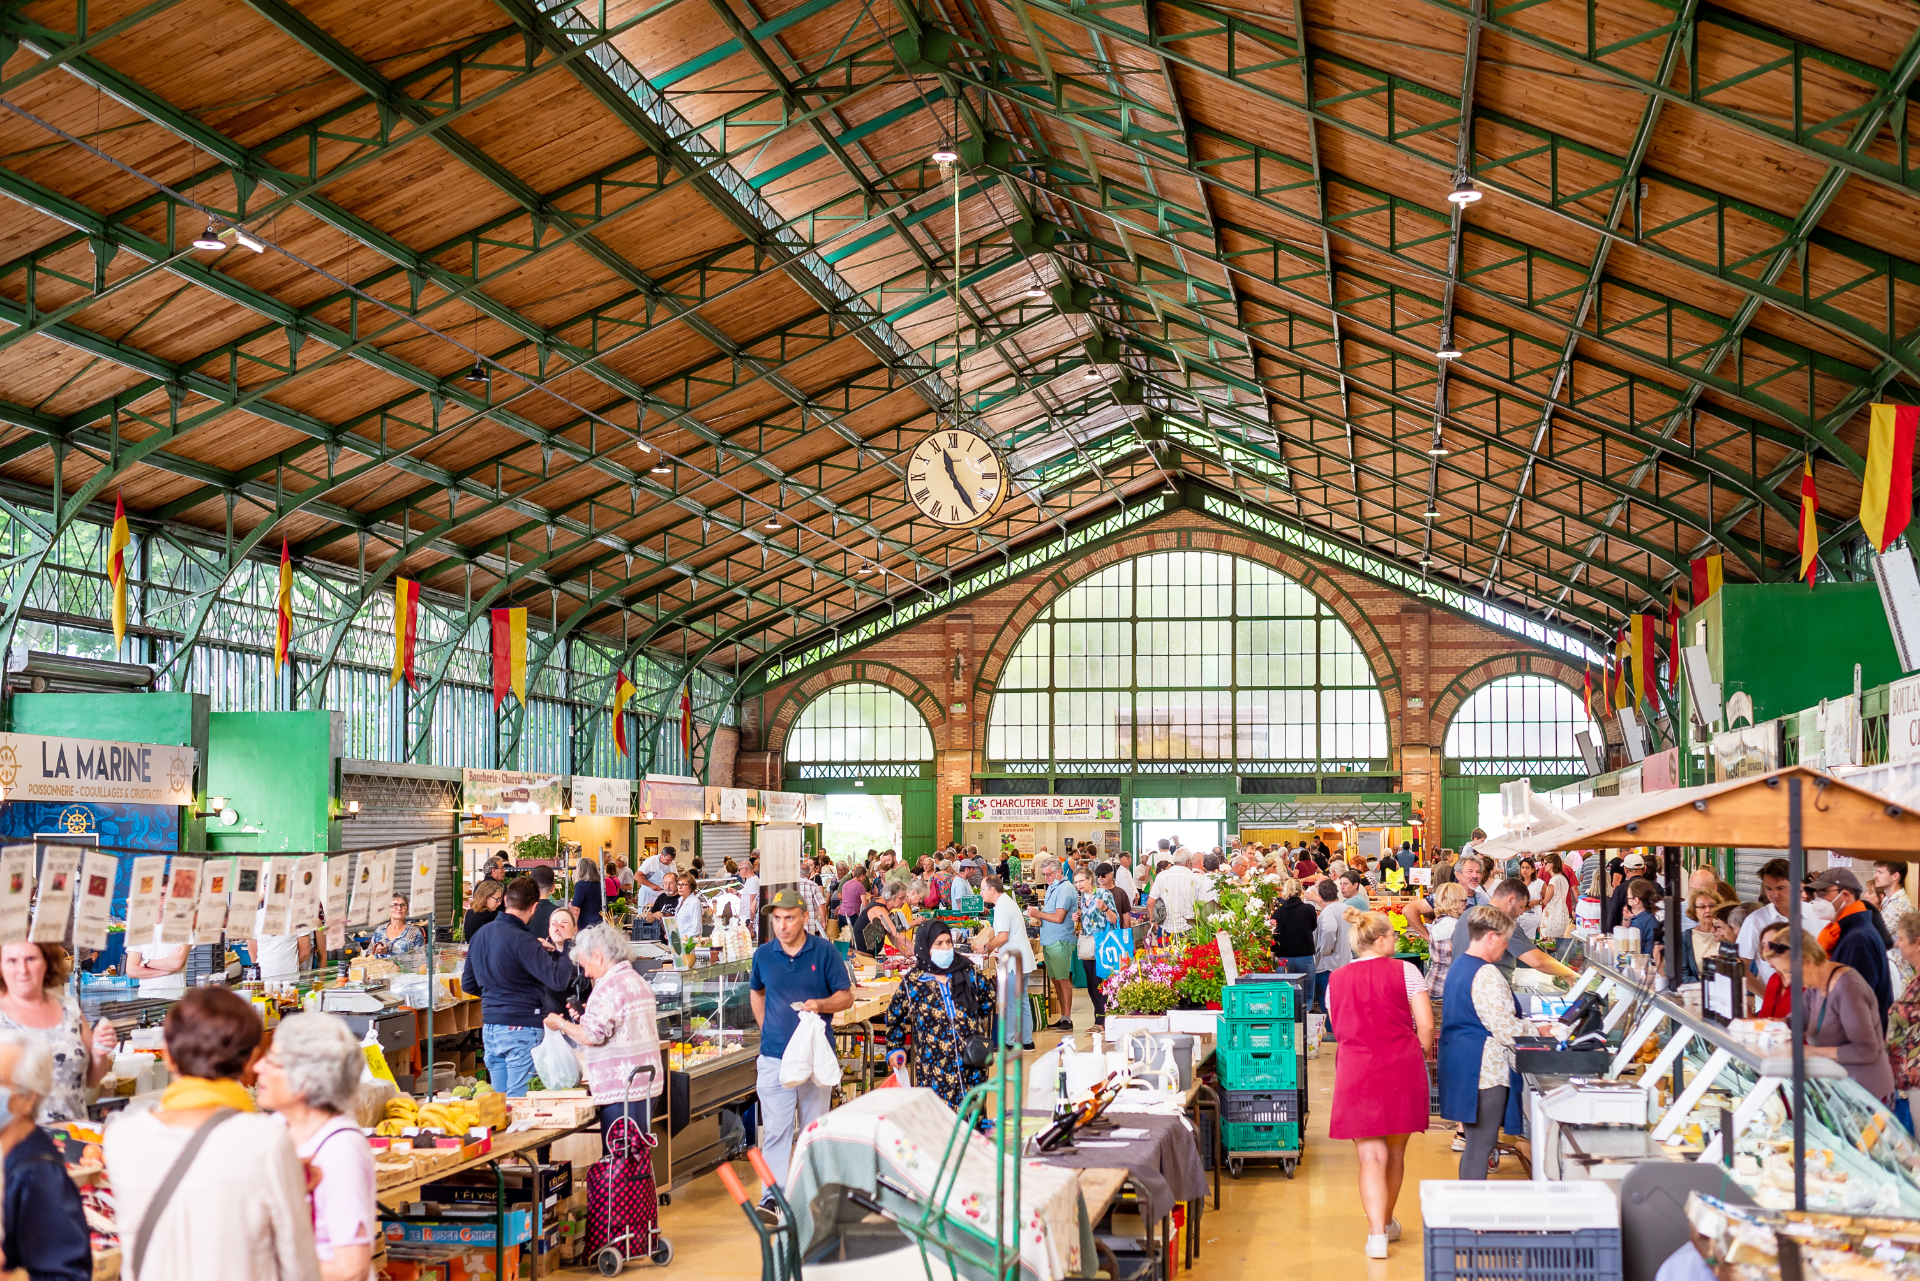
556,1187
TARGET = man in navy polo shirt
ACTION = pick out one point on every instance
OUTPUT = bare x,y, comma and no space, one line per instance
793,971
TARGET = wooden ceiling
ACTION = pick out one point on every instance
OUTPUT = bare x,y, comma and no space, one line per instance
702,256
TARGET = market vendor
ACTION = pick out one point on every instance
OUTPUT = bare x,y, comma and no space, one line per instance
1510,896
792,973
1478,1029
883,920
398,934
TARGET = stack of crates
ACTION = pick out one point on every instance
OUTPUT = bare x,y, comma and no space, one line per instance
1515,1231
1260,1054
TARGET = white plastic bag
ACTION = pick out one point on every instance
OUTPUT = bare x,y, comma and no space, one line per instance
555,1062
810,1055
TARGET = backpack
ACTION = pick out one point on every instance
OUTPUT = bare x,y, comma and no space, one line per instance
1157,911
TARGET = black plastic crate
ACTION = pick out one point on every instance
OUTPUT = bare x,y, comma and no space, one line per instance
1476,1254
1264,1107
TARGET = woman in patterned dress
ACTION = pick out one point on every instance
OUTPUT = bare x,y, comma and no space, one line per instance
942,1001
34,1000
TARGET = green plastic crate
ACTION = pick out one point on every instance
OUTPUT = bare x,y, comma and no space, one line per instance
1255,1034
1244,1000
1257,1069
1252,1136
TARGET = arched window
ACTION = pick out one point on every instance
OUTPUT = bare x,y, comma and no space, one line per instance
1187,656
1520,725
859,722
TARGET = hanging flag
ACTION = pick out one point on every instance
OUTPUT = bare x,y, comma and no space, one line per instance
1646,657
686,720
1706,578
509,655
117,568
406,630
622,691
1673,640
1886,491
1586,689
1809,527
1617,694
283,609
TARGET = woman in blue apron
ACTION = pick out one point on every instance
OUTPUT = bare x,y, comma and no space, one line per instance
1478,1024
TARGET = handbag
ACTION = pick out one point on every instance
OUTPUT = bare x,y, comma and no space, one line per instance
1113,950
155,1207
1087,947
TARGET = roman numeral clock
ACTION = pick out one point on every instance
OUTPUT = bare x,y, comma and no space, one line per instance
956,478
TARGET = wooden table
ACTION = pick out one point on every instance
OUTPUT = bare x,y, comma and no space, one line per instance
869,1005
1099,1189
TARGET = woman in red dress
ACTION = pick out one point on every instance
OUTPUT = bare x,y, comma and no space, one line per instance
1380,1006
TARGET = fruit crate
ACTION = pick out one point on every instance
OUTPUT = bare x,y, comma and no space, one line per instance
1478,1254
1262,1035
1245,1136
1257,1069
1261,1107
1252,999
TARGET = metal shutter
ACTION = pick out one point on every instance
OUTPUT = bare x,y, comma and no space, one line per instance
403,811
722,841
1746,871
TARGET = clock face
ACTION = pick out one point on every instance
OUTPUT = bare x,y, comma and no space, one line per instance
956,479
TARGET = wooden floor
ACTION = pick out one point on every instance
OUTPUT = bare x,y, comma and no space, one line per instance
1314,1219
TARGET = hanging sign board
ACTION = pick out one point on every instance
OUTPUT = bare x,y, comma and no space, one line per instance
425,861
97,872
672,800
41,767
244,905
16,891
210,917
336,906
785,807
506,791
59,869
1040,809
1903,721
303,912
601,797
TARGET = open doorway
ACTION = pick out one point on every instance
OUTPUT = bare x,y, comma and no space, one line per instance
858,822
1198,835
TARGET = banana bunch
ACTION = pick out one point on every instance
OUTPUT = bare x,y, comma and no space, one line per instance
453,1116
402,1111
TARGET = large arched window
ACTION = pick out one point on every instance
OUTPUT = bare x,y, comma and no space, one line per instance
1187,656
1520,725
858,722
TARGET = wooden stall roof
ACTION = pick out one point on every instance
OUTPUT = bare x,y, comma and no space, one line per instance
630,313
1749,813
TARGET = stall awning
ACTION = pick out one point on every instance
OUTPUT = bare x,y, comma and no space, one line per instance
1745,812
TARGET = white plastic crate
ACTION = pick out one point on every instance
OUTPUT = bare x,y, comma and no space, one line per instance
1514,1206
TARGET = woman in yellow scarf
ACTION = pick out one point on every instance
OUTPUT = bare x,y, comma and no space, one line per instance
238,1208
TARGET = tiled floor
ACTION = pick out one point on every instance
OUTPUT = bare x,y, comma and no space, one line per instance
1269,1228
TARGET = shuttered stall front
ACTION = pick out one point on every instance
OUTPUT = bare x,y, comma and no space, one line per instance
404,809
722,841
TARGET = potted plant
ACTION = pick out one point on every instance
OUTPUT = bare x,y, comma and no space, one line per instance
1139,996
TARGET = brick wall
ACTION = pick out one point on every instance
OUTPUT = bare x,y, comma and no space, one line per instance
1426,660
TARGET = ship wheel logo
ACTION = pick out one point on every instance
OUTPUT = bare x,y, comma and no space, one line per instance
9,766
176,774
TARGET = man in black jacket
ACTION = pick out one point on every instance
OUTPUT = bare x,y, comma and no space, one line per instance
1859,944
510,970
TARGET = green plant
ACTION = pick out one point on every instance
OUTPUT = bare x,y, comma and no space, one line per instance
1141,996
535,847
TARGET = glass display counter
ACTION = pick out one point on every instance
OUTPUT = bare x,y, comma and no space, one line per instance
711,1043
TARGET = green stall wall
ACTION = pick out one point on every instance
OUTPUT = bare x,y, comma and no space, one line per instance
160,717
277,770
1789,647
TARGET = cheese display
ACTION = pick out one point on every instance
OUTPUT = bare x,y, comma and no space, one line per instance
1743,1243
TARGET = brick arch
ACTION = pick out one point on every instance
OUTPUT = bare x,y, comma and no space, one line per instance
796,699
1489,670
1185,538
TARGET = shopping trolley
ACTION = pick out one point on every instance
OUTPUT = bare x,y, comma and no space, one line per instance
623,1202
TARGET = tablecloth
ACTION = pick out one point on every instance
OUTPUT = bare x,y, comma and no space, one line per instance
1165,1166
889,1141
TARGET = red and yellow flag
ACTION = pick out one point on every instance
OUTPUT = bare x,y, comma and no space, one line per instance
1673,647
283,609
509,655
1809,527
1586,689
1706,578
622,691
406,631
117,568
686,721
1617,697
1646,657
1886,491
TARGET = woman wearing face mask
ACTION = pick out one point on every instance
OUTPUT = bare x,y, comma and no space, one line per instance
942,1002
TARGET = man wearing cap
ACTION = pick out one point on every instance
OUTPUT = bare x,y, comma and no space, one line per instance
794,971
1854,938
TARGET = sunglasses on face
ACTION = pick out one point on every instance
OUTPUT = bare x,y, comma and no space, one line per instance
1779,949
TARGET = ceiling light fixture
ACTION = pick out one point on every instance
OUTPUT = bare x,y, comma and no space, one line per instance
478,374
1036,290
248,242
1431,513
661,468
864,569
944,154
209,240
1464,192
773,522
1438,451
1447,349
1093,373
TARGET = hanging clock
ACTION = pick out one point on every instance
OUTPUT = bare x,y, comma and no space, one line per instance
956,478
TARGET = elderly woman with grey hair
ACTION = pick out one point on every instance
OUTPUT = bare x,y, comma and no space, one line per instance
616,1032
44,1226
310,1078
